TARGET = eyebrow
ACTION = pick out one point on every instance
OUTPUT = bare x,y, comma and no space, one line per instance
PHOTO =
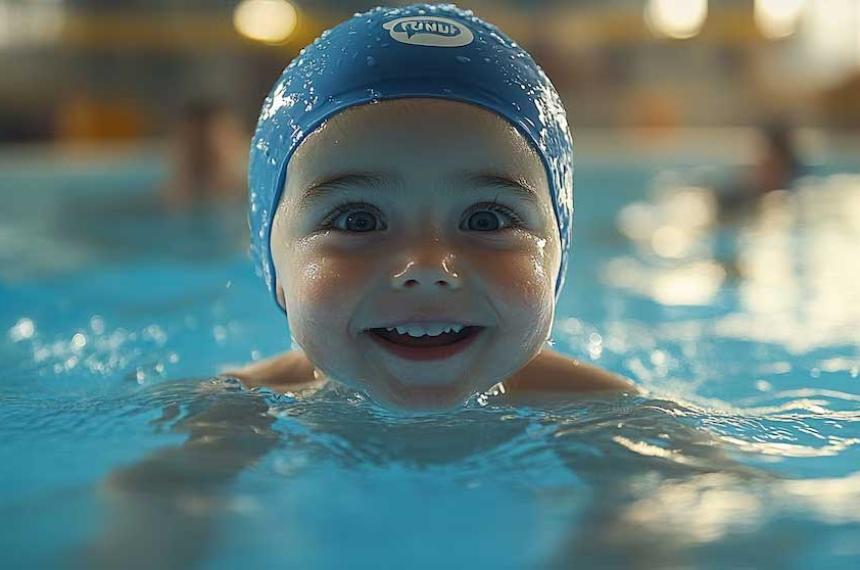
513,184
345,181
375,180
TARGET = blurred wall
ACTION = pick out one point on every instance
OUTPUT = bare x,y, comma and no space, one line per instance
83,70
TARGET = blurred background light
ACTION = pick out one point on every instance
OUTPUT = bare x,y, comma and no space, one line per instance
778,18
832,35
679,19
30,23
267,21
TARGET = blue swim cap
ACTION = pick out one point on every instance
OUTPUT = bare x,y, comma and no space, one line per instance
421,50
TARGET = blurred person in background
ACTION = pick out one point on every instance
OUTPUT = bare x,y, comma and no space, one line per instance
776,165
208,156
198,213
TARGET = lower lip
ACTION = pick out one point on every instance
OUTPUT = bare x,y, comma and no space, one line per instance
428,353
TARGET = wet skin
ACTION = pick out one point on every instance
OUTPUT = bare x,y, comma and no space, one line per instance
428,210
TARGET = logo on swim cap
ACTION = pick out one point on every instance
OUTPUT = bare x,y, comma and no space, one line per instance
430,31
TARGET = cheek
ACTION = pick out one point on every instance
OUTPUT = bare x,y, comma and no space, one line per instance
319,280
521,278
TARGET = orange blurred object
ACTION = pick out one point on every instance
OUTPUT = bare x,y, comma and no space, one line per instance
82,118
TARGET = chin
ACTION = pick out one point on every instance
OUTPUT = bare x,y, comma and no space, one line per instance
424,398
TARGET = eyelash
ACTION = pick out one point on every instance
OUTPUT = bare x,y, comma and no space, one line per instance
344,207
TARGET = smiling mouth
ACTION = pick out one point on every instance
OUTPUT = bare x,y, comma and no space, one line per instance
425,347
442,339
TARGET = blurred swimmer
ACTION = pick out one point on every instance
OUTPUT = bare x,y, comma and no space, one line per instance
208,156
776,166
411,204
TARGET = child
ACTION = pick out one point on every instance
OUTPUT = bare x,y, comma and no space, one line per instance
411,199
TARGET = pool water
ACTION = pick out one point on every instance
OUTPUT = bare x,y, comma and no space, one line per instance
120,448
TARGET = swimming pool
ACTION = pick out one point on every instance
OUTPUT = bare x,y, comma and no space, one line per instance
118,449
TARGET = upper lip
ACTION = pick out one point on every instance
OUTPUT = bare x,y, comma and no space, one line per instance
424,320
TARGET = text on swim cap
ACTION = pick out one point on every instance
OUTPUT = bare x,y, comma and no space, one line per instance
427,27
429,31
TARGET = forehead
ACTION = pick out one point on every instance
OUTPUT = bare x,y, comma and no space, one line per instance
419,137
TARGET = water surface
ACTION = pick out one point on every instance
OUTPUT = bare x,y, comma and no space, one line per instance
122,448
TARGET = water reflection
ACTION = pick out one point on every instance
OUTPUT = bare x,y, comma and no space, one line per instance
788,259
639,480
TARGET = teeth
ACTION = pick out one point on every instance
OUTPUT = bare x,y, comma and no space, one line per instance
430,330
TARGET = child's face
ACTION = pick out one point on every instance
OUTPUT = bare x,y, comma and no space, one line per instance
425,230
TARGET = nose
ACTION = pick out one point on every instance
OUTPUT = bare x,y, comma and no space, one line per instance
429,267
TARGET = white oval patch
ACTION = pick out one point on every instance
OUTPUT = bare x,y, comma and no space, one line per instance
430,31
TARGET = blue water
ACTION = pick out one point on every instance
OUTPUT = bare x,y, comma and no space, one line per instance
119,448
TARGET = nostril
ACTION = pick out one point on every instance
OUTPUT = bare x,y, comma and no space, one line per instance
424,280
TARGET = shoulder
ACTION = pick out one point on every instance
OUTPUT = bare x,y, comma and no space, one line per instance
552,372
289,370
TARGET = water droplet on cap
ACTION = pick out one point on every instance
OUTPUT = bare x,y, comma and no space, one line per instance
371,61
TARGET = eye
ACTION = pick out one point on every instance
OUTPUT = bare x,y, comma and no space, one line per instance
354,218
491,217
